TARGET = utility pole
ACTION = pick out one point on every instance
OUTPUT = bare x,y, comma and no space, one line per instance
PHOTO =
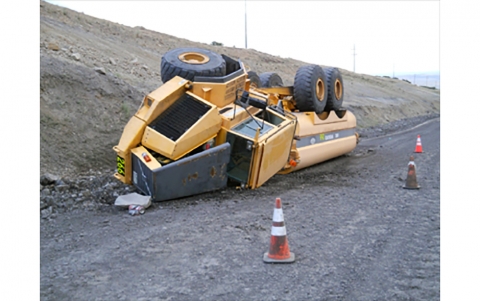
354,54
414,79
245,24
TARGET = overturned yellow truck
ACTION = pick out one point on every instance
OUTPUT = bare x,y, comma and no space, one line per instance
213,122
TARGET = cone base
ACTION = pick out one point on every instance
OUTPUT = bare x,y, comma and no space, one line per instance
271,260
418,187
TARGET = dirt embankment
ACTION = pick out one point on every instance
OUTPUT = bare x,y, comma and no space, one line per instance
94,74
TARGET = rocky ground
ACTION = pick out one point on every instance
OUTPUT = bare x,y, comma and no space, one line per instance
356,234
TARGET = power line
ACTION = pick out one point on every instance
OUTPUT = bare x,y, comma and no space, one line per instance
245,24
354,54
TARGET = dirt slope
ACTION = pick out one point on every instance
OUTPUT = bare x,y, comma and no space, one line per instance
94,74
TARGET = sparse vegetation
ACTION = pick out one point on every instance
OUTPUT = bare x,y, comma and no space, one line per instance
125,109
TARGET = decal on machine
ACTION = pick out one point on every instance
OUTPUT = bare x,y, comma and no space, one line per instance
320,138
121,165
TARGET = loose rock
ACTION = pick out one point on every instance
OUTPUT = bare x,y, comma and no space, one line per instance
53,46
61,188
100,70
48,179
45,213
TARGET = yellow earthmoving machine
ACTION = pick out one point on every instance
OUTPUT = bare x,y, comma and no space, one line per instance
214,122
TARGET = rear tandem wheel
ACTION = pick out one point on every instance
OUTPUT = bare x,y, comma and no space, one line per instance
309,89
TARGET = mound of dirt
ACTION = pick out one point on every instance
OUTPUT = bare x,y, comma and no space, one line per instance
94,74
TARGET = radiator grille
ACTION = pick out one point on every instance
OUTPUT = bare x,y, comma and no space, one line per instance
179,117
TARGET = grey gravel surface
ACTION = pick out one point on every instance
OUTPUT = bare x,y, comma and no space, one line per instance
356,233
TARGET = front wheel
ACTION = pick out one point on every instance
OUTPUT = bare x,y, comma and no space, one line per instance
190,62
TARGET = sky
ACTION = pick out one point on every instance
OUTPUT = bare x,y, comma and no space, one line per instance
389,37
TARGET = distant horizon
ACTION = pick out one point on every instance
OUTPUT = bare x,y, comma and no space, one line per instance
410,73
428,79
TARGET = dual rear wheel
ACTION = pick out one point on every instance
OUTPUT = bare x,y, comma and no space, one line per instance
317,89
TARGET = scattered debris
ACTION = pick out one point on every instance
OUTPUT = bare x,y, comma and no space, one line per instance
136,203
136,209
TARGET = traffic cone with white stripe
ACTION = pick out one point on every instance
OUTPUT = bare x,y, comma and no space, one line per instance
411,182
418,147
279,251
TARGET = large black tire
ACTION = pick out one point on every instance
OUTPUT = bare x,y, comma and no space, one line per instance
309,89
335,89
190,62
270,79
254,79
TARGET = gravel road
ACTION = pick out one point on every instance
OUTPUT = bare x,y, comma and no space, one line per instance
356,233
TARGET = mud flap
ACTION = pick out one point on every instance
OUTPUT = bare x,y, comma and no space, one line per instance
199,173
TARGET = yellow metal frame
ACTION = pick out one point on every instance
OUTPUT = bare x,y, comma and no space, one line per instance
310,123
203,130
270,152
153,164
220,94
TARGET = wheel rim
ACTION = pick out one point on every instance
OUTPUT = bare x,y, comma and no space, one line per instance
320,89
193,58
338,89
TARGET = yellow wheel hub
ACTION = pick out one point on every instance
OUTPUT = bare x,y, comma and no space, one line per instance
338,89
194,58
320,89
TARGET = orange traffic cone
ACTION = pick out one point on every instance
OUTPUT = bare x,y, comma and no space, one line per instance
279,251
412,176
418,148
